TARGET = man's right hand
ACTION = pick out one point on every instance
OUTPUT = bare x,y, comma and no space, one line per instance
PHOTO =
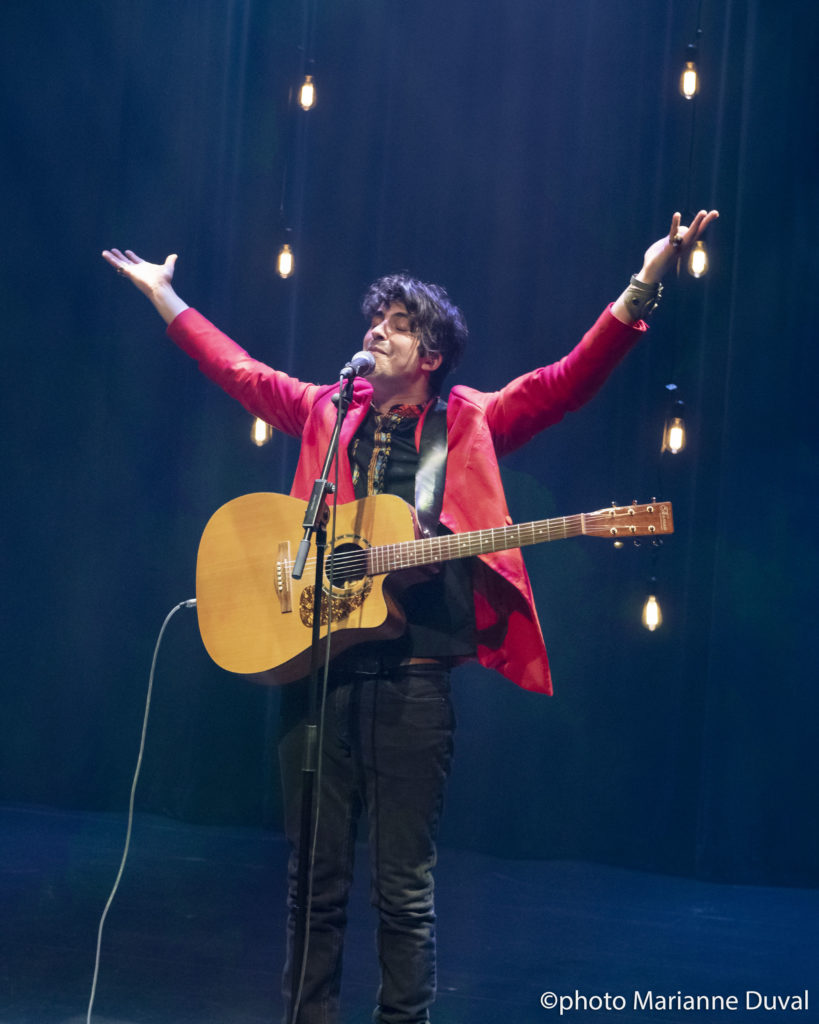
152,279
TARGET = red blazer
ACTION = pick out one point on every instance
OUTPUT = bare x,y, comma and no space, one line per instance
481,427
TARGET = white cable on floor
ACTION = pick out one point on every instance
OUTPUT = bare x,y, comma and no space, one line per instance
191,603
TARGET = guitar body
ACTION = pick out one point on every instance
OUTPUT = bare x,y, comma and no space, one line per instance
255,619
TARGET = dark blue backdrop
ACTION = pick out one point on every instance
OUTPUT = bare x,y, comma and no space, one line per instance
524,153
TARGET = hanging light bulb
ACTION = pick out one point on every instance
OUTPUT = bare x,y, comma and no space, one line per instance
284,261
307,93
698,259
689,80
674,436
690,77
261,432
652,617
674,429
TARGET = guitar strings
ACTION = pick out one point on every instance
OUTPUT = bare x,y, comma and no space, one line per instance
405,554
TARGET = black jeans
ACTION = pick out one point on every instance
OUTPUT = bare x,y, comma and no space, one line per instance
387,750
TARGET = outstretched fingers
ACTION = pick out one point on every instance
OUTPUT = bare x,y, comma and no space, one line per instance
684,237
119,260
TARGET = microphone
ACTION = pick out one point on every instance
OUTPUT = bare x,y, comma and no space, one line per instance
362,364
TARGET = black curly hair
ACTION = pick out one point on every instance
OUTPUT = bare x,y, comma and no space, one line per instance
439,323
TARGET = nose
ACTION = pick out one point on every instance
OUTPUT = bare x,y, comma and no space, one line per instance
376,332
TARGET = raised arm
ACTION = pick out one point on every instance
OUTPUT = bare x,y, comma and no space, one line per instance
152,279
659,258
538,399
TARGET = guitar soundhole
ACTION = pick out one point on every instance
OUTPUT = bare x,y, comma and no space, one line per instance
349,565
350,588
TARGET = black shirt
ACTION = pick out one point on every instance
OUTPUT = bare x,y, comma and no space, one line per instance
440,611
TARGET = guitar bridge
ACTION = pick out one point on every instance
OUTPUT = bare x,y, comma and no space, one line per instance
284,566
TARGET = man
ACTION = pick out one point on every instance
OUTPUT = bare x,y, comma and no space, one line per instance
388,716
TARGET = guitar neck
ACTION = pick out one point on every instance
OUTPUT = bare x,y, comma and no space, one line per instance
615,523
429,550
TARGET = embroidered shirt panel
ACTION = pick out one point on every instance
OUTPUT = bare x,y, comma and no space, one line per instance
383,456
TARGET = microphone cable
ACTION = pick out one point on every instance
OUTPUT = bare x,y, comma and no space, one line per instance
190,603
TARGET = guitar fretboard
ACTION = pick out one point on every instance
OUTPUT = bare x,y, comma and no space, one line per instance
391,557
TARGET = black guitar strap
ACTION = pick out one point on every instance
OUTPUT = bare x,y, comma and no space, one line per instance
429,477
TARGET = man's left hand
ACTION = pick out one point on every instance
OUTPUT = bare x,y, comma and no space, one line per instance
677,244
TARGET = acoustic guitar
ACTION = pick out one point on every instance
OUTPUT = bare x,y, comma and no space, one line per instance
256,620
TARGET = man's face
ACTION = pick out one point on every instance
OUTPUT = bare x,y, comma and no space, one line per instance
395,348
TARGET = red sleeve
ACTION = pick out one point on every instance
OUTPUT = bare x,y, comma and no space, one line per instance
539,399
280,400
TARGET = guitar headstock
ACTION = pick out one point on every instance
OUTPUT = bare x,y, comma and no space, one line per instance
625,521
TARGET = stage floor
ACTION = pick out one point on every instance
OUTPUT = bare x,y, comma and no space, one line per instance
195,934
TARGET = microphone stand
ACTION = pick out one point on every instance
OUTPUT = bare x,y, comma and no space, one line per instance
315,522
